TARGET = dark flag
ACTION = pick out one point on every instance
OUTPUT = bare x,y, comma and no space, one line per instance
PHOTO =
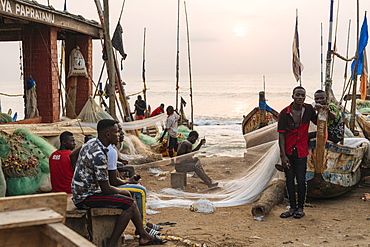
117,42
296,62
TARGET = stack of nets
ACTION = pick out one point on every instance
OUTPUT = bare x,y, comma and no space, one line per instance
25,161
5,118
363,106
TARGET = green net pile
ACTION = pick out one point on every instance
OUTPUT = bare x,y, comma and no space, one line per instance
363,106
25,160
5,118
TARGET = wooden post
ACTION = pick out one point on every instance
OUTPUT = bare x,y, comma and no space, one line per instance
71,97
322,121
111,67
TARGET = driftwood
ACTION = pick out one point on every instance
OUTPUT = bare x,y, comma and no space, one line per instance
274,194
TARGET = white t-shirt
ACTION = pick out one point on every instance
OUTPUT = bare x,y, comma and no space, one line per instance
112,158
171,124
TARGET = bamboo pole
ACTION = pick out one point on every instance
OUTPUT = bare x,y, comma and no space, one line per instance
190,74
143,71
177,55
328,81
353,103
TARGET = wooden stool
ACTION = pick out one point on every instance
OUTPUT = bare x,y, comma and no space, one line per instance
178,179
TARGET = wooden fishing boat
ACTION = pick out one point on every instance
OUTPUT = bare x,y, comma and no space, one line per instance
332,169
260,116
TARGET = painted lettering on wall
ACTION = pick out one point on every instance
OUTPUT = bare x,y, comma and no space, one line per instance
26,11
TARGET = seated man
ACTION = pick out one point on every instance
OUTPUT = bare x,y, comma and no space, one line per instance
335,121
138,191
61,171
91,187
189,163
74,155
158,110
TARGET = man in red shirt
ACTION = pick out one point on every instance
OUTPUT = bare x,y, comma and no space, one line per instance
61,171
158,110
293,124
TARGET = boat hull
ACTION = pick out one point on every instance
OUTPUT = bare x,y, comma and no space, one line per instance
254,119
341,170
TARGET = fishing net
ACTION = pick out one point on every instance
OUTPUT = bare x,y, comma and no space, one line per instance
92,113
25,161
2,182
363,106
245,188
5,118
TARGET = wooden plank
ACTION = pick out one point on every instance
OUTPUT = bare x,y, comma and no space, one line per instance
20,236
105,211
322,119
65,236
54,201
28,217
43,130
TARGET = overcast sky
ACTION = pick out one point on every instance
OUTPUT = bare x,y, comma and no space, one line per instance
227,36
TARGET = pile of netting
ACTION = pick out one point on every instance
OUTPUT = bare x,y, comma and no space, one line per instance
363,106
25,161
5,118
246,188
92,113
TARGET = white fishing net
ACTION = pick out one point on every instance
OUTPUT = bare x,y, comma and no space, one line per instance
241,190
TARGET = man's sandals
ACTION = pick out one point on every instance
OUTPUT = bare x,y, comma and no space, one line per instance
296,214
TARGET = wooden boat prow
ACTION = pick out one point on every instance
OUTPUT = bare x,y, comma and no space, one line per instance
260,116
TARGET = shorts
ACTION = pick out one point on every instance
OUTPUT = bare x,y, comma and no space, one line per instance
106,201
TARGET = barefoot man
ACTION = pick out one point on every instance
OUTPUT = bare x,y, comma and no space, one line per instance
189,163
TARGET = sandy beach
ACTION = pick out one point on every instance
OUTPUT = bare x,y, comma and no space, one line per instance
341,221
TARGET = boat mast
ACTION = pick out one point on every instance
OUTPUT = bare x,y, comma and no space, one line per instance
354,76
143,72
111,69
322,60
190,76
178,54
328,81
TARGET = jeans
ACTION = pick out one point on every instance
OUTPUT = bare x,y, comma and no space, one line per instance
139,194
297,171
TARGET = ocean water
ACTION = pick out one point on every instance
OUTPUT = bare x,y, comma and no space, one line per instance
219,102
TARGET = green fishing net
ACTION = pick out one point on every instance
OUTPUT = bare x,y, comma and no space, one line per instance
363,106
5,118
25,160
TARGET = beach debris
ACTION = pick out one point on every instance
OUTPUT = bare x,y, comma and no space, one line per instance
259,218
187,242
203,205
157,172
365,197
255,237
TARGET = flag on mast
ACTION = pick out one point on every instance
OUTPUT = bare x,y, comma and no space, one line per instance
296,61
364,79
362,42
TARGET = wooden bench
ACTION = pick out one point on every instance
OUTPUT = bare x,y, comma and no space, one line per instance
95,224
37,220
178,179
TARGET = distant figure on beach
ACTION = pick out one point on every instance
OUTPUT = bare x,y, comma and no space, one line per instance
190,163
61,171
293,124
158,110
335,121
91,187
171,128
140,107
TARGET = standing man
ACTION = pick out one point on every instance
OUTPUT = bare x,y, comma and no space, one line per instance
140,107
293,126
171,128
61,171
158,110
190,164
335,120
91,187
